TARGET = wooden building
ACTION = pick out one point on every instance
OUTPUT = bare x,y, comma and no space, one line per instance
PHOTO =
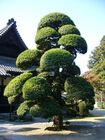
11,45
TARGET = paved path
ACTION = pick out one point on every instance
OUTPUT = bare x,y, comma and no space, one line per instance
91,131
98,112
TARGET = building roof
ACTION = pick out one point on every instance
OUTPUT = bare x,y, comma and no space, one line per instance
8,67
11,43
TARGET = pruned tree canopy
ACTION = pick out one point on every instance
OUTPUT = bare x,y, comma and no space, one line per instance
28,58
73,43
55,58
57,41
68,29
78,88
36,88
55,20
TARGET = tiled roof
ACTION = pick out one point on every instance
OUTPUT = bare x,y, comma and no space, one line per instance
12,24
9,25
3,72
8,67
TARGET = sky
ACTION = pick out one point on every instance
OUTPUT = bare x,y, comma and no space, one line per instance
88,16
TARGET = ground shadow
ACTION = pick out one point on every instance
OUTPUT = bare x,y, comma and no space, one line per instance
95,134
100,119
25,129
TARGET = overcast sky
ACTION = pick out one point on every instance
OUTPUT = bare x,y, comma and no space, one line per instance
88,16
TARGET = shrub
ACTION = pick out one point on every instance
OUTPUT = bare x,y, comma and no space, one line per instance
55,20
68,29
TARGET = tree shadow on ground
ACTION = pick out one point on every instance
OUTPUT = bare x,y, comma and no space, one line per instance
100,119
73,128
25,129
82,134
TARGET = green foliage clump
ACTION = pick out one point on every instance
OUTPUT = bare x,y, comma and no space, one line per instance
73,43
74,70
55,20
43,74
82,108
44,34
68,29
28,58
54,58
36,111
78,88
47,109
90,103
11,99
14,87
24,108
36,88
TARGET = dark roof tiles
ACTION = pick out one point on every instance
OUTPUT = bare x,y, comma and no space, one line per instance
7,65
3,72
9,25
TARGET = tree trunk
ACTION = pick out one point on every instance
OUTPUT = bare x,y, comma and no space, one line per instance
58,121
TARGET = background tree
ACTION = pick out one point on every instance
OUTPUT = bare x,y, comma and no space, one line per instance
57,43
97,65
98,54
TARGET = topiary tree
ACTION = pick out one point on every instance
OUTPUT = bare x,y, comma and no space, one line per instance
57,42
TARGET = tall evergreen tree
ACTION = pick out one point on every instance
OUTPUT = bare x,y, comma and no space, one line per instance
53,61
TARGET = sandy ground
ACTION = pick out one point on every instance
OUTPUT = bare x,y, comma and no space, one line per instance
90,128
39,128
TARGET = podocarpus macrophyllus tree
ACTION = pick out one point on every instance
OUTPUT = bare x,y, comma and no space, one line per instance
57,43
